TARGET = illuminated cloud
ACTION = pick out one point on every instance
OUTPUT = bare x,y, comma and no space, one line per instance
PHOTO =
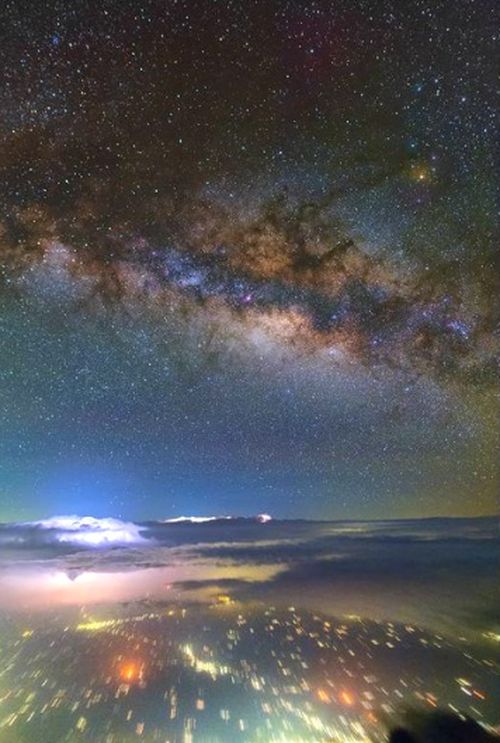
197,519
262,518
79,531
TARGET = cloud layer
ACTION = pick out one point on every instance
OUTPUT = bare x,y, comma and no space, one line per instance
74,531
440,572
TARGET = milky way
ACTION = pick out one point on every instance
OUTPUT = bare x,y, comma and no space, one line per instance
294,261
249,251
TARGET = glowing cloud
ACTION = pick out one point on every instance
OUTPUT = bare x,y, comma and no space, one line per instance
87,531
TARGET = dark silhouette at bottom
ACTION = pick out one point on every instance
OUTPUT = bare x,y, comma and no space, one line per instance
440,727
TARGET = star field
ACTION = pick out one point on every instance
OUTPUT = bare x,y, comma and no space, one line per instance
248,259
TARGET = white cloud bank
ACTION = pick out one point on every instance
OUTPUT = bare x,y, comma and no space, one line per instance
84,531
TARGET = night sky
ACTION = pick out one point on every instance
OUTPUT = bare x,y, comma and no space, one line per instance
247,258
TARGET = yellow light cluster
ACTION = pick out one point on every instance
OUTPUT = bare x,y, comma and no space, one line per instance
204,666
98,625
